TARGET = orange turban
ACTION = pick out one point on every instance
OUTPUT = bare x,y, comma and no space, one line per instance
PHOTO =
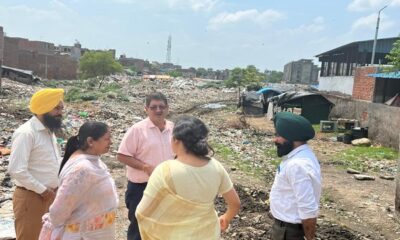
45,100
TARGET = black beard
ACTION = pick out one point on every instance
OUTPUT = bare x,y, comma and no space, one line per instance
53,123
284,148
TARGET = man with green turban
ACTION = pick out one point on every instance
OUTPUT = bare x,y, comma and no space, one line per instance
35,162
295,193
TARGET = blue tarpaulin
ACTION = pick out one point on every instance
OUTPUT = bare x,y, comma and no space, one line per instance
265,90
395,75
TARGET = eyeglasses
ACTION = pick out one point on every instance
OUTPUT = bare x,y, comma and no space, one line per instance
161,107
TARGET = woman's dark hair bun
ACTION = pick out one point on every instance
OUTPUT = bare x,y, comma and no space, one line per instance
193,134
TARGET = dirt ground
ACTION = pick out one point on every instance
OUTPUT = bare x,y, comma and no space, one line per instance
350,209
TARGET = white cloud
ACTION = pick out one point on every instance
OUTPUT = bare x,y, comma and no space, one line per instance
365,5
369,22
60,7
317,25
202,4
251,15
33,13
395,3
195,5
124,1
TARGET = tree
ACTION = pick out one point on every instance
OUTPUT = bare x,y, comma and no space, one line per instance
201,72
98,64
175,73
252,76
394,56
244,77
235,79
274,76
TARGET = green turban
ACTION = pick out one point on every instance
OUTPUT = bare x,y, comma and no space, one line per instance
293,127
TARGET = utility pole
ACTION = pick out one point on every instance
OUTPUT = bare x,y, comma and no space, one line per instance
376,35
45,66
168,60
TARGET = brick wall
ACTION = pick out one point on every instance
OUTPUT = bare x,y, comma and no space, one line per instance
364,86
10,51
35,56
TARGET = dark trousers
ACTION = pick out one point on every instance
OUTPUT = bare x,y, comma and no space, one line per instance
287,231
133,195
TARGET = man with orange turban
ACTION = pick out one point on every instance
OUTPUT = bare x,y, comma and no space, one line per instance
35,161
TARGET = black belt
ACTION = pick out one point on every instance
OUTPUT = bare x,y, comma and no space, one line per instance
290,225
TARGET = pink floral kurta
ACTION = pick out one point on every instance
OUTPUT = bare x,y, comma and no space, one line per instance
86,202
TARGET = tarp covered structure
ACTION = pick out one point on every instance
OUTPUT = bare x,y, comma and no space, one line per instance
314,107
255,103
251,103
267,90
267,93
20,75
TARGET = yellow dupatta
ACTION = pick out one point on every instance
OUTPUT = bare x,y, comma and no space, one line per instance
162,214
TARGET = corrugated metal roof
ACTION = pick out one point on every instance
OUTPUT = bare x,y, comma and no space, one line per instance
395,75
28,72
383,45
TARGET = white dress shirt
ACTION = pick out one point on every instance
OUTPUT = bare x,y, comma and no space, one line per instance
35,157
296,190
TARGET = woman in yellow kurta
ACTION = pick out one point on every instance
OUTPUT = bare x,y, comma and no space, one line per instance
178,202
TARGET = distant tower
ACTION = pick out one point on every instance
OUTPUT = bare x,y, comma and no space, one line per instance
169,50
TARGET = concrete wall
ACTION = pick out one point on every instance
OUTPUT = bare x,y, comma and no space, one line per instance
342,84
302,71
383,121
306,73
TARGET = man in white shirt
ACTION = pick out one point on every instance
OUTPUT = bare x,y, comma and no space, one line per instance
295,193
35,161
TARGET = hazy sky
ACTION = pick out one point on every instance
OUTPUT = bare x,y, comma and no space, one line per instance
205,33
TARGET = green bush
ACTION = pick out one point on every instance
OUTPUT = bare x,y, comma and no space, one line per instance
75,94
89,96
50,84
72,95
92,82
134,82
111,87
212,85
123,97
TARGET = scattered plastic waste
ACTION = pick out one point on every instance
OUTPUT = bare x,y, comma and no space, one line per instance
214,105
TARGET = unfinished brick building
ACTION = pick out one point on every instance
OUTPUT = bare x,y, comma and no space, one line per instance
37,56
